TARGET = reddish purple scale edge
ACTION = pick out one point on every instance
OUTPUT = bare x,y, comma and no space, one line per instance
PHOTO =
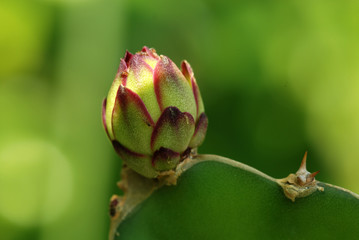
123,97
164,153
121,69
128,57
186,70
137,62
157,87
201,120
162,70
150,52
195,93
122,151
170,115
104,116
188,73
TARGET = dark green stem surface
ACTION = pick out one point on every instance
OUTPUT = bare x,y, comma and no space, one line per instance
213,200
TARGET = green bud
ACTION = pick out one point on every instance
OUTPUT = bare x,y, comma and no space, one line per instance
153,114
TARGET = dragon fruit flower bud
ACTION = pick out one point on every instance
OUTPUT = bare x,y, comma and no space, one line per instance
153,114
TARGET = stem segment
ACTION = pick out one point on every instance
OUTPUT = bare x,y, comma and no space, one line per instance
138,188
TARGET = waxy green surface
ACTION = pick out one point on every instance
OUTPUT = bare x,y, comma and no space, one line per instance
217,201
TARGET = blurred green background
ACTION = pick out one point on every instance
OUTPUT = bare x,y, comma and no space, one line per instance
277,78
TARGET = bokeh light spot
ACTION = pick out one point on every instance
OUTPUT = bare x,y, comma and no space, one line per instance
35,182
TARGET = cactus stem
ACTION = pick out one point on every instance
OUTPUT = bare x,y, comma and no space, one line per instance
138,188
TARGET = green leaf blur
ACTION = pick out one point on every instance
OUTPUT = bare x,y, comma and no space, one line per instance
277,78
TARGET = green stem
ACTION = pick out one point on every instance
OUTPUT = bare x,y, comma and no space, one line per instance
282,182
138,188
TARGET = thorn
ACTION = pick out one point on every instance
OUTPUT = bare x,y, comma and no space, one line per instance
314,174
303,165
310,177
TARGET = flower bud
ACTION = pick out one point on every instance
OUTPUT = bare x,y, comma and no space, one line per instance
153,114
